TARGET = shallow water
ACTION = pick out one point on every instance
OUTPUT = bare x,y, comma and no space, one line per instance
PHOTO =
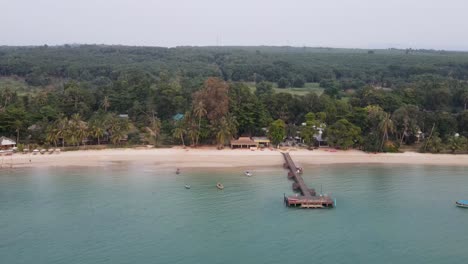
134,214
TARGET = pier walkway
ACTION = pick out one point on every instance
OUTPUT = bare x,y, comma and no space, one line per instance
308,198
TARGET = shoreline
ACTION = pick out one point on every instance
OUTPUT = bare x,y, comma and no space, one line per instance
227,158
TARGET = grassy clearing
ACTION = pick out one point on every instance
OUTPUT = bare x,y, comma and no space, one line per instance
308,87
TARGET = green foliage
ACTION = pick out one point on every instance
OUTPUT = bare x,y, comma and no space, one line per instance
343,134
224,129
371,142
283,83
456,143
73,95
298,81
390,146
264,89
433,145
277,131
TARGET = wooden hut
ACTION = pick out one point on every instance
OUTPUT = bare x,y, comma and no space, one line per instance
243,142
6,143
262,141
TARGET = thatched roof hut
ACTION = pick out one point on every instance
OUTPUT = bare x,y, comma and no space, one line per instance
6,143
243,142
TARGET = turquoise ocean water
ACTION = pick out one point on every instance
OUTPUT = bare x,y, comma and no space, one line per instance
138,214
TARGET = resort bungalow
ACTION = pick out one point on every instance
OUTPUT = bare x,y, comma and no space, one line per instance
6,143
243,142
261,141
321,142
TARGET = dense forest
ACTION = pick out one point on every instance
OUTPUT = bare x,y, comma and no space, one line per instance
375,100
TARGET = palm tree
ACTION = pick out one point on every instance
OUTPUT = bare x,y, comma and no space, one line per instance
199,111
105,103
190,127
179,132
117,135
7,94
223,131
82,131
52,135
72,130
154,129
61,128
118,128
96,130
17,124
386,127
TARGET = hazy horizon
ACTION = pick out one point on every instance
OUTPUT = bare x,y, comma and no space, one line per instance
364,24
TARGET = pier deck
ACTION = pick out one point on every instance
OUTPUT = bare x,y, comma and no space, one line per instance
308,198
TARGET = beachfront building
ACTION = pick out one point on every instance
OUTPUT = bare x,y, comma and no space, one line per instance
243,142
322,142
261,141
6,143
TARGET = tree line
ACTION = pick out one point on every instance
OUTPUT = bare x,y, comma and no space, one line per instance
378,101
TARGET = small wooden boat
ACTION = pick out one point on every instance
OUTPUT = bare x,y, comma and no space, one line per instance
219,186
177,171
187,186
248,173
462,203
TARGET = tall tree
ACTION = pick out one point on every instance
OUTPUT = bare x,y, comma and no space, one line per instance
386,127
105,103
277,131
224,130
199,111
214,96
343,134
97,129
154,129
179,133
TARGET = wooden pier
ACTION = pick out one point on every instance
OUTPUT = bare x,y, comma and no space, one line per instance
308,197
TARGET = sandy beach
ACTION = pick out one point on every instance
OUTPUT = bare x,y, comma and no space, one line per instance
212,158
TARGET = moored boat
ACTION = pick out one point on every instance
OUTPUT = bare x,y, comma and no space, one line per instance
219,186
462,203
187,186
248,173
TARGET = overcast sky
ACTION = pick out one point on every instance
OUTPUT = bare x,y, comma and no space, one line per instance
332,23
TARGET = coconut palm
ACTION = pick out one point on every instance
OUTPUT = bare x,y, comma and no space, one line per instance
118,128
386,127
154,129
200,111
17,124
179,132
96,130
52,135
6,94
223,131
117,136
76,130
190,127
82,131
61,127
105,103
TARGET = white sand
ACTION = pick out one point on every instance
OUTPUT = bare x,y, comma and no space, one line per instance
212,158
